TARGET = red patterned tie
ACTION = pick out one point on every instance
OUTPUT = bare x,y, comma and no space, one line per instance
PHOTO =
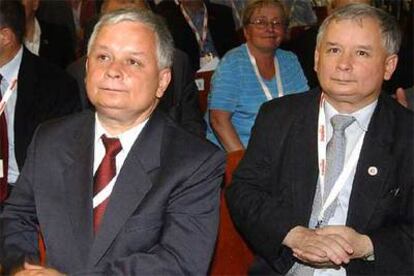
4,153
104,174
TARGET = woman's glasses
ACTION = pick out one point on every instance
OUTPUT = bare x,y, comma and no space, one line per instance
263,23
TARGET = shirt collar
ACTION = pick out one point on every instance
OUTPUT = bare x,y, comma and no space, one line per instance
36,34
126,138
38,31
10,70
362,116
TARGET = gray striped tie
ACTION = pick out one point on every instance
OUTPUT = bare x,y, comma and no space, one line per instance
335,157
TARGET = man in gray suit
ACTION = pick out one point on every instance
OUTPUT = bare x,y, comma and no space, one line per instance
123,190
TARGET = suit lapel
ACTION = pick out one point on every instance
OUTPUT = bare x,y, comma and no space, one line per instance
78,184
132,185
375,153
304,160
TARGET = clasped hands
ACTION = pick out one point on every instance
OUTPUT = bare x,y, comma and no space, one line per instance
330,246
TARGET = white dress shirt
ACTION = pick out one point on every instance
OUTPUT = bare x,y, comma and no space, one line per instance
352,133
127,139
10,71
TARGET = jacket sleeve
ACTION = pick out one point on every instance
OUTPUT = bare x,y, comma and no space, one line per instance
256,201
18,223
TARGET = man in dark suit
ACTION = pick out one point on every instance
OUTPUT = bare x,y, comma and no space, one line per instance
220,30
123,190
344,207
50,41
43,92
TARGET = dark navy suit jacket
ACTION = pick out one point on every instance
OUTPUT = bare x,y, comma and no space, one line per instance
274,185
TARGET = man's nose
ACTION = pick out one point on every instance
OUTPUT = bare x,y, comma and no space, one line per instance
345,62
114,70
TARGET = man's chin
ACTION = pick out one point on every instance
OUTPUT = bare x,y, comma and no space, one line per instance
109,110
341,97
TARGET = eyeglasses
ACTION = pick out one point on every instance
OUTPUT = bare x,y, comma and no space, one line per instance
263,24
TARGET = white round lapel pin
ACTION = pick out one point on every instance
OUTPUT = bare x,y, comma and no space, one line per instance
372,171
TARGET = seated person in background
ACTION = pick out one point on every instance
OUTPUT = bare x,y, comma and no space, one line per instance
201,29
252,74
123,190
180,100
43,92
70,14
344,207
47,40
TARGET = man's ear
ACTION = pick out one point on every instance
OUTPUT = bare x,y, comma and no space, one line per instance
86,68
316,60
6,36
164,81
86,63
390,66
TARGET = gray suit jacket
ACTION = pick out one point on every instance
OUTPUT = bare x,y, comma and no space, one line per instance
274,185
163,212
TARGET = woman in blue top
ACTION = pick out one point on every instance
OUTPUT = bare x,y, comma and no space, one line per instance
251,74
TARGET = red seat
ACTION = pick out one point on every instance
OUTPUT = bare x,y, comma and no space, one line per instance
232,256
42,250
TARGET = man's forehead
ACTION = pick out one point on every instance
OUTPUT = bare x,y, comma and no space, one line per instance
127,36
127,24
360,21
139,30
362,33
352,25
107,47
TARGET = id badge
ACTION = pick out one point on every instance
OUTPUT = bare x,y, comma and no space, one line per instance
206,59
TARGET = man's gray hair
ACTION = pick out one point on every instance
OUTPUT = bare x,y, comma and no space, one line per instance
390,31
163,39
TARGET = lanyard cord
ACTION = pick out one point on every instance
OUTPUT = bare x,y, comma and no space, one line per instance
266,89
348,166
